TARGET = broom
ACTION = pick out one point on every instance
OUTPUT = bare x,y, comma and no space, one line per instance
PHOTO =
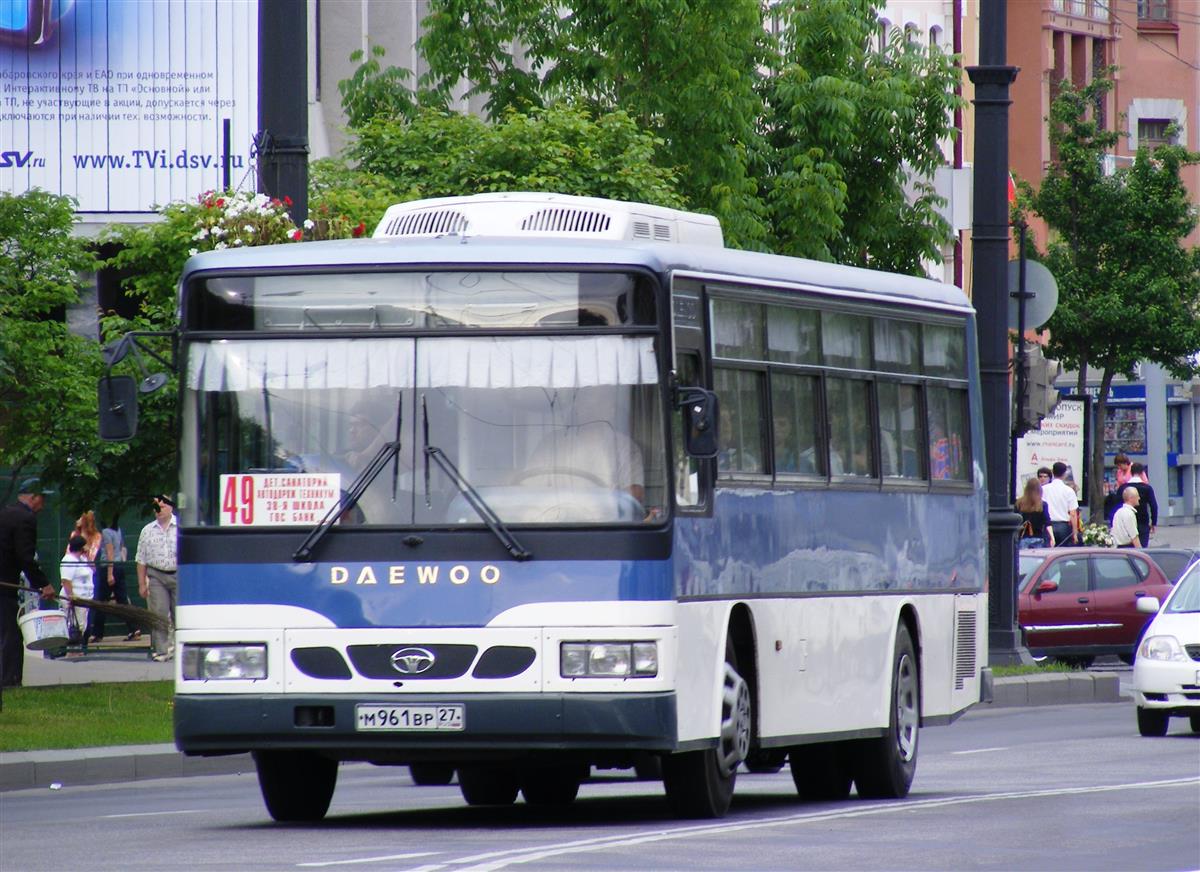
132,615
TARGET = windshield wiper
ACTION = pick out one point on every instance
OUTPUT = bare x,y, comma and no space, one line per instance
472,496
350,497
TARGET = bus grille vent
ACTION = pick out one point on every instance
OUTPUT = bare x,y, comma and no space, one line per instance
566,221
662,232
641,229
964,652
432,222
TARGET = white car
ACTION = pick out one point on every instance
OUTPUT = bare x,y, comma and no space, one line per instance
1166,671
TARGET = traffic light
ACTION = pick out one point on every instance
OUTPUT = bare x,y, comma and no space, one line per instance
1040,395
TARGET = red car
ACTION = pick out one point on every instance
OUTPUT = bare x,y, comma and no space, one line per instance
1077,603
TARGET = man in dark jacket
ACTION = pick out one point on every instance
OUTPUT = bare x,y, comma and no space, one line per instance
18,554
1147,509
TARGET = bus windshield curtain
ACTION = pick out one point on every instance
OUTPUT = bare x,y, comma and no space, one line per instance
469,362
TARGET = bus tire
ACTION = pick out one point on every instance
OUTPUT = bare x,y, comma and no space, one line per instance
766,761
296,785
488,785
550,787
821,772
699,784
884,767
431,774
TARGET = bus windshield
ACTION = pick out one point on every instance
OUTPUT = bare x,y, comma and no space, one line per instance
548,429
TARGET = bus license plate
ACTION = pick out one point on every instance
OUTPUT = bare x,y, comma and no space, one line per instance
408,717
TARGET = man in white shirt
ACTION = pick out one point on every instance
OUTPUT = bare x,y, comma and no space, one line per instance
156,565
1063,506
1124,525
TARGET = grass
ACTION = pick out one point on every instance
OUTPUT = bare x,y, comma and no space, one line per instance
85,715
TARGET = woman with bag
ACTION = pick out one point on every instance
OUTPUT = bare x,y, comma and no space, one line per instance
1036,530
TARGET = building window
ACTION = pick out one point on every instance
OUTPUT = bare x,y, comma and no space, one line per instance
1153,10
1153,132
885,27
935,36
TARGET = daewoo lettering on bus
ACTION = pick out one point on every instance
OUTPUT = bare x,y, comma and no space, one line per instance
529,484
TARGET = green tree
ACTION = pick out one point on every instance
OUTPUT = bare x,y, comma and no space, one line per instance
686,71
47,374
561,148
811,143
1128,287
855,136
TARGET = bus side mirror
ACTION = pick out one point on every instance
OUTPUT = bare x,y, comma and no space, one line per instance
118,407
700,421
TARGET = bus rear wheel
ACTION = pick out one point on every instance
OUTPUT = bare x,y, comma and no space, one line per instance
821,771
699,784
488,785
296,785
884,767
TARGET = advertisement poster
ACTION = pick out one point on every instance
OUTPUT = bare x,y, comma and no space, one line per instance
121,103
1060,438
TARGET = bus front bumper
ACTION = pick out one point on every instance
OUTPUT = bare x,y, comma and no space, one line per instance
505,724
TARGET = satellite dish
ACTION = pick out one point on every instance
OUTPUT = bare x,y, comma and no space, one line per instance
1039,282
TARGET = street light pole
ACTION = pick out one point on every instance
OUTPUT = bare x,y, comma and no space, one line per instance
282,139
989,280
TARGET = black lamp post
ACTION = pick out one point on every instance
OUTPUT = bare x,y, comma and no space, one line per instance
282,139
989,273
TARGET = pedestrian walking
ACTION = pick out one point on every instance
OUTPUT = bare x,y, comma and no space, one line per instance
18,555
78,575
156,567
1147,508
110,577
1124,523
1063,504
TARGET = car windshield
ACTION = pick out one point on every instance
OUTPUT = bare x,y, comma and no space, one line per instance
548,429
1186,597
1027,565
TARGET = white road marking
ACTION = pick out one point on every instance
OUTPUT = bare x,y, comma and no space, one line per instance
357,860
979,751
153,813
493,860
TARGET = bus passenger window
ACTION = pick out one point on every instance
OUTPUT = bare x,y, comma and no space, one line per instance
949,434
796,425
850,451
899,430
741,428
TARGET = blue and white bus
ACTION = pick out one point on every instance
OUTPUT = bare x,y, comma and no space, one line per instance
450,498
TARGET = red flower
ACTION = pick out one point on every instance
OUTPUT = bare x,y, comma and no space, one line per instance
287,201
359,230
220,202
296,235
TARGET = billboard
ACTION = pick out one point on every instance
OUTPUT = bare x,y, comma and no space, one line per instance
121,103
1061,437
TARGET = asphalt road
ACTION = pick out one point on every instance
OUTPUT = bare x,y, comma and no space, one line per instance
1056,787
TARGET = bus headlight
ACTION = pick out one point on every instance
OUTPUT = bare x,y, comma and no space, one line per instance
608,659
208,662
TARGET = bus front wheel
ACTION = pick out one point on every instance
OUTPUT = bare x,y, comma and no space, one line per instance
699,784
488,785
296,785
884,767
431,774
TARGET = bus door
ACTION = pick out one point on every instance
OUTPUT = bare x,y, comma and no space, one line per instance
693,477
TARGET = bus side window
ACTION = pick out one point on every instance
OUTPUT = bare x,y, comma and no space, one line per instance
688,492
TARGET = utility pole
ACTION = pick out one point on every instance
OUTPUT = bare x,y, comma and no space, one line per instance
989,274
282,138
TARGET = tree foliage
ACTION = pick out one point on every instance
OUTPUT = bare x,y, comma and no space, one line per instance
47,374
1128,288
855,137
810,143
561,148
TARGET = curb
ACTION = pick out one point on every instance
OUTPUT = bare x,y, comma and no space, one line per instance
21,770
1056,688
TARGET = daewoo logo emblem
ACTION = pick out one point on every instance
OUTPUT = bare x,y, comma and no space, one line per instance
412,661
